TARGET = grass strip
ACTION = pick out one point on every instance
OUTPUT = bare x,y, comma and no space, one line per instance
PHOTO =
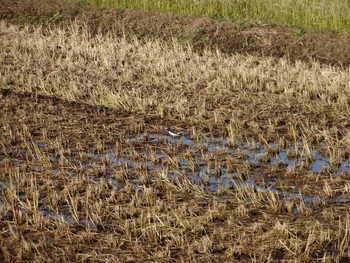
312,14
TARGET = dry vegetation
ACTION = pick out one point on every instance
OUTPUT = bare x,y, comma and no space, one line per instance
88,174
212,90
230,37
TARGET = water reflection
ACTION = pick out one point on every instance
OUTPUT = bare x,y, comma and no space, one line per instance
210,163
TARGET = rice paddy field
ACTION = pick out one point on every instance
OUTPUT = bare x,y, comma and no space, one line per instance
260,168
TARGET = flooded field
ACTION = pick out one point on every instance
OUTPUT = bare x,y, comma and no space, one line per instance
109,178
211,165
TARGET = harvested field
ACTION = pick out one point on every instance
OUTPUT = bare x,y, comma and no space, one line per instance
88,172
83,183
231,37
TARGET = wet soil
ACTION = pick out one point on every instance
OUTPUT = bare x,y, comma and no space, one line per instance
85,128
80,128
75,123
254,38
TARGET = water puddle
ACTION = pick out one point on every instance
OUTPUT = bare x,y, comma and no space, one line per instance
209,163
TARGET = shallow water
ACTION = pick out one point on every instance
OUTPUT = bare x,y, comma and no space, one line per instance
254,153
209,163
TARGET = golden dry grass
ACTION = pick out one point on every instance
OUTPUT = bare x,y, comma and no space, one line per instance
171,81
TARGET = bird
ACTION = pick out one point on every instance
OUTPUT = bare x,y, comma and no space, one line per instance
173,132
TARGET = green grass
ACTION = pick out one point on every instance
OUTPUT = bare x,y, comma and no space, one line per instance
312,14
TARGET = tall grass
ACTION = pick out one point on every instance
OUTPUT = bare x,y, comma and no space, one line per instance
312,14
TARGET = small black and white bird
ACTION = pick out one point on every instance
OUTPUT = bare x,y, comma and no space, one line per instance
174,133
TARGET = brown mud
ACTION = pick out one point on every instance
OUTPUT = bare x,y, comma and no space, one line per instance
74,122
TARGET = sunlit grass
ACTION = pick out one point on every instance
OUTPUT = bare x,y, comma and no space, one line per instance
313,14
172,81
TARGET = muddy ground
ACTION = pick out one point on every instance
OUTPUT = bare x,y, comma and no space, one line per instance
219,229
75,123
